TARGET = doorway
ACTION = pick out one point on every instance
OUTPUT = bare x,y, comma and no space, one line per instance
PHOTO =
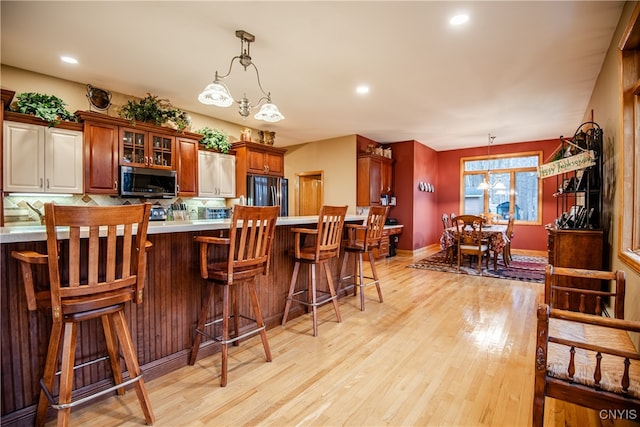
309,193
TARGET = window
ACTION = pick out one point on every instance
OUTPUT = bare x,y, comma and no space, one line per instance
513,190
629,248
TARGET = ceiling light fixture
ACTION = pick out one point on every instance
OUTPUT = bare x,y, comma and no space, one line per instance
459,19
69,59
217,93
485,185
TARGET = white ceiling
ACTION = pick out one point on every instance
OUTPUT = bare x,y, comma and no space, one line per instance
520,70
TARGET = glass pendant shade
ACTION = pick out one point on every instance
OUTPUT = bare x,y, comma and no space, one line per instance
269,113
499,186
484,185
216,94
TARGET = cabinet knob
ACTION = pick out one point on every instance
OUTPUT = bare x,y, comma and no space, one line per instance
41,183
115,185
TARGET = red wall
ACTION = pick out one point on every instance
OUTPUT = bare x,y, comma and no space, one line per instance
420,212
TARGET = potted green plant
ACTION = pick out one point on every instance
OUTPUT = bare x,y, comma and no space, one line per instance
151,109
49,108
214,139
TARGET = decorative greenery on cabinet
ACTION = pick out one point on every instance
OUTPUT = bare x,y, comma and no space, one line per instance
49,108
214,139
151,109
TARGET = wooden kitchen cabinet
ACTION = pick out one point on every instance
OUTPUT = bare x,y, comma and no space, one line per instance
257,159
42,159
217,174
113,141
146,149
187,166
375,177
576,249
100,158
385,242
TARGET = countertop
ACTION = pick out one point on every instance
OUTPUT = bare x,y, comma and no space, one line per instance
33,233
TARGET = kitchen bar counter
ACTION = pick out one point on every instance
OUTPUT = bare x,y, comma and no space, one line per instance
36,233
161,327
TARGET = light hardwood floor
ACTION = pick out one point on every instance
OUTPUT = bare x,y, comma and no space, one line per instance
443,350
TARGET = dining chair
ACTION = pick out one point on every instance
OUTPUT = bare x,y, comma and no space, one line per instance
446,222
92,275
248,251
361,240
469,235
450,249
506,254
328,237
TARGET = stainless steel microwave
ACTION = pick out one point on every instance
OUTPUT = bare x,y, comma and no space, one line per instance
147,182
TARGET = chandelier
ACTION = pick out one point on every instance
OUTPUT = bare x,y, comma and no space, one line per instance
217,93
485,185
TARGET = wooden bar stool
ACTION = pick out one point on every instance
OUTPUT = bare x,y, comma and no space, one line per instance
362,239
248,253
328,235
89,278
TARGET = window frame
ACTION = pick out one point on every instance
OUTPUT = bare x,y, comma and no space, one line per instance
512,172
629,216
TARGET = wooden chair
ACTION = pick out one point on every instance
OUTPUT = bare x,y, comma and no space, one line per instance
90,277
506,249
328,236
469,235
446,222
362,239
506,253
585,359
248,250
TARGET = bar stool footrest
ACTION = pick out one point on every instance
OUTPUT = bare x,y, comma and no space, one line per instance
71,404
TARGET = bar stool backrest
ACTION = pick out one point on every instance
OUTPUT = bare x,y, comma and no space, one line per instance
251,237
330,227
375,226
90,275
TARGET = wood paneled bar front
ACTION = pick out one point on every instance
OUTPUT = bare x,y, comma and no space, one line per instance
162,326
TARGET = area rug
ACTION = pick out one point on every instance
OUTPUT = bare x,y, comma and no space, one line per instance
523,267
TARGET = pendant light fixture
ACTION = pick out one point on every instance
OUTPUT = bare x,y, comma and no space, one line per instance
485,184
217,93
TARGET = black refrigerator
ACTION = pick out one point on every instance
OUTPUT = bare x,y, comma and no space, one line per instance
268,191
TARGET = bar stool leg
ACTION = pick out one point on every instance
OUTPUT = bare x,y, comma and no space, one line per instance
360,281
343,270
112,349
314,299
287,306
53,352
332,291
236,313
259,320
202,318
225,335
66,371
375,275
131,362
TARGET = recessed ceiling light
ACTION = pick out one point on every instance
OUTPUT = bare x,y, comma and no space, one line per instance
459,19
362,89
69,59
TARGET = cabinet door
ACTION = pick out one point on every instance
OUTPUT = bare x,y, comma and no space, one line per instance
161,151
217,175
187,167
23,157
100,158
375,182
386,177
63,161
207,161
227,175
133,150
256,162
274,163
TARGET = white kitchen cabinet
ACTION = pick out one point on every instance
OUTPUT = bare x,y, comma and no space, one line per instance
216,174
40,159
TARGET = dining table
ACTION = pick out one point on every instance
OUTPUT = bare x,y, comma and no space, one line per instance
494,234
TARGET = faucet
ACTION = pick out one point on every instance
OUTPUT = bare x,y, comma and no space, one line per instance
40,215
